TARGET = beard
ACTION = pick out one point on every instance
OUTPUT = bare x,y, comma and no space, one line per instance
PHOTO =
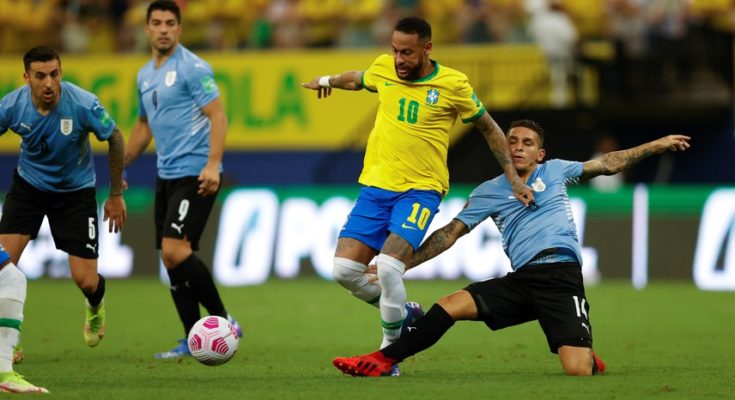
413,73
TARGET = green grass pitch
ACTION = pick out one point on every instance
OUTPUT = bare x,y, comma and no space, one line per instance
669,341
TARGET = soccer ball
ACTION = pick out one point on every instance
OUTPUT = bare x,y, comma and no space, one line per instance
213,340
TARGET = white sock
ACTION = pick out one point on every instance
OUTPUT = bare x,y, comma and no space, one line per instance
351,275
13,287
393,298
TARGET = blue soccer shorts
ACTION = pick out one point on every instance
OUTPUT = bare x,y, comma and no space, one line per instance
378,212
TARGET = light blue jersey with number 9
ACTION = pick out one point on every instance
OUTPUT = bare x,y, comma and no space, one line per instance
171,97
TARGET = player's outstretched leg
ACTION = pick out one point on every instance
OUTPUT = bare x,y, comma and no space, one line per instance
94,323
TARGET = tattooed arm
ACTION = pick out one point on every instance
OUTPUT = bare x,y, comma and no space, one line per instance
115,210
499,146
616,161
351,80
439,241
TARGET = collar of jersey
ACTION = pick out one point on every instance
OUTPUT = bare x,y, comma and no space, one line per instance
431,75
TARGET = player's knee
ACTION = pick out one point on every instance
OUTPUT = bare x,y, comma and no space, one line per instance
577,364
346,272
87,283
171,257
578,369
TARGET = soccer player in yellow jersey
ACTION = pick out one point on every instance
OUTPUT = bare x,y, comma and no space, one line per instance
405,174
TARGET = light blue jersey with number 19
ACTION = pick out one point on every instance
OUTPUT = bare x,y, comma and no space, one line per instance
171,97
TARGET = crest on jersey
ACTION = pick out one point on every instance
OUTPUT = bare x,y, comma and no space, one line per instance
538,185
432,96
67,125
170,78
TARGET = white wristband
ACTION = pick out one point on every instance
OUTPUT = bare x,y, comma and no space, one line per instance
324,81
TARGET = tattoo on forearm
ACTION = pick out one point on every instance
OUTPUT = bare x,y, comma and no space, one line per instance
437,243
115,159
612,163
495,139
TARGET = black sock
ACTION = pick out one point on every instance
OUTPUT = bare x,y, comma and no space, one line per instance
428,330
95,298
203,285
183,295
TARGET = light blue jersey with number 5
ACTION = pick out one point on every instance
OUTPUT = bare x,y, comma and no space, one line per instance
55,154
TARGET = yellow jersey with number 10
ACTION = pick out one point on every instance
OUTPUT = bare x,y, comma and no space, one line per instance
407,148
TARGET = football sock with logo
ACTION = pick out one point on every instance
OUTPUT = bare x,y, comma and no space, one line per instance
95,298
183,295
423,334
203,285
392,297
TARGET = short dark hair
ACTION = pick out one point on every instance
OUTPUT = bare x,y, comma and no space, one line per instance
417,25
40,54
532,125
163,5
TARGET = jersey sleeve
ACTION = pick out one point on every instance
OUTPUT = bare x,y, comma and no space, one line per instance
477,209
200,80
468,105
570,170
100,121
141,107
369,77
3,117
480,205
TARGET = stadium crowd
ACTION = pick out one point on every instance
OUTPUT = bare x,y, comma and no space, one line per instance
638,38
117,25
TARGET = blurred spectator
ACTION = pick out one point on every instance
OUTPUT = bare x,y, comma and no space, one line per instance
553,30
443,16
321,19
25,24
88,24
626,25
285,23
669,28
358,21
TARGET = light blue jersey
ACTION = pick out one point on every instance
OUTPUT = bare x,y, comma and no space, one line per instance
171,98
546,231
55,154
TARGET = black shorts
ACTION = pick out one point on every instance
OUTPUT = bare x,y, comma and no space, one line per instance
72,216
181,213
553,294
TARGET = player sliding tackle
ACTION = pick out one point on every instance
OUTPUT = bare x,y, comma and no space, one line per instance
541,242
405,170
